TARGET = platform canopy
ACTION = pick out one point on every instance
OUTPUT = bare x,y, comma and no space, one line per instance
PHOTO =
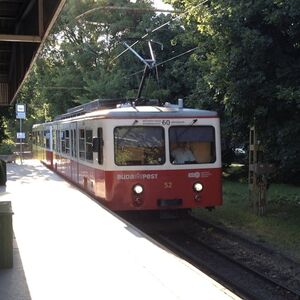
24,26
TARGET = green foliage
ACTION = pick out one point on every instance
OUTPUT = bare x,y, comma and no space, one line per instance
6,114
250,72
7,147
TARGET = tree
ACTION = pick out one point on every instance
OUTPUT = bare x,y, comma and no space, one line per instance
5,114
82,60
250,70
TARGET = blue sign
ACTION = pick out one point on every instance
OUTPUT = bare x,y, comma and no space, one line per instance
21,115
20,111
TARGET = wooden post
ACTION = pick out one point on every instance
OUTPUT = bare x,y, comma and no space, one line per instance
257,180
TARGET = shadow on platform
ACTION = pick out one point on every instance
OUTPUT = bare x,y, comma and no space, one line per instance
13,284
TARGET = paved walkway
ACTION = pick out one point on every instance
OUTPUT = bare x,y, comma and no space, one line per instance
69,247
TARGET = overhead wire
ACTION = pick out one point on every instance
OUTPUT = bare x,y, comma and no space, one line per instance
179,55
155,29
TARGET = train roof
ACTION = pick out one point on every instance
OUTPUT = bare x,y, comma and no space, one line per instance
108,109
151,112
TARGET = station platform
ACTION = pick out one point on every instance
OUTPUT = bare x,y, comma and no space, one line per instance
67,246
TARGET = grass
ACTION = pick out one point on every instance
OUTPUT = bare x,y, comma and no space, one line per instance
279,227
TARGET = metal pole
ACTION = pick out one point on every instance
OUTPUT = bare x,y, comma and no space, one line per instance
21,146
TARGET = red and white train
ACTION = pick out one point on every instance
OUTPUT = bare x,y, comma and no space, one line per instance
124,155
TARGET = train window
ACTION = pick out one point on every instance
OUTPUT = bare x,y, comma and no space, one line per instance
85,144
54,139
63,141
139,145
89,145
73,143
47,139
82,144
100,150
38,138
41,139
58,140
67,134
192,144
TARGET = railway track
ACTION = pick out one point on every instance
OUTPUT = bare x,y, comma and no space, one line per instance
240,278
248,269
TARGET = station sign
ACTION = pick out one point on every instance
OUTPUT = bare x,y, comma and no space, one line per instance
20,135
20,111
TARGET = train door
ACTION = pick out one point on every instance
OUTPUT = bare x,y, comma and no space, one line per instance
74,152
100,146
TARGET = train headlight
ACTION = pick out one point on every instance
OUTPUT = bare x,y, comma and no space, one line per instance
198,187
138,189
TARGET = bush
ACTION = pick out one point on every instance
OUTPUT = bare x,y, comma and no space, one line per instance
7,147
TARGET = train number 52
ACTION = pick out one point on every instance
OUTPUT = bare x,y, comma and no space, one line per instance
168,185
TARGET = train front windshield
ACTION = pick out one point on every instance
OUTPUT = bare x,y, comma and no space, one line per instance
139,145
145,145
192,144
